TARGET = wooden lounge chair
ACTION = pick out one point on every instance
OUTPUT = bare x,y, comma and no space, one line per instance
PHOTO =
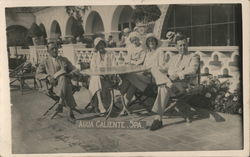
21,73
49,92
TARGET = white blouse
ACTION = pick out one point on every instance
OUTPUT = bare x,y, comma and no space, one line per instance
136,55
97,61
154,58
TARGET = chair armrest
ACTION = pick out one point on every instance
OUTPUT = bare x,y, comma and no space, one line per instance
191,75
59,73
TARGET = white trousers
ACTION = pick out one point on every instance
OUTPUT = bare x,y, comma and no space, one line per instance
164,91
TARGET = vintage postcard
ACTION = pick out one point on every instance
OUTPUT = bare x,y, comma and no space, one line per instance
116,78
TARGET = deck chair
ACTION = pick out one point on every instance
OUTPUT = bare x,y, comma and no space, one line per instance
21,73
49,92
177,102
149,93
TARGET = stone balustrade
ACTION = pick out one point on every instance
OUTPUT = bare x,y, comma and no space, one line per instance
219,60
18,51
223,61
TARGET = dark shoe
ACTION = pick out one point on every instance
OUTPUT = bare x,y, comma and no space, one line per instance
72,118
157,124
59,108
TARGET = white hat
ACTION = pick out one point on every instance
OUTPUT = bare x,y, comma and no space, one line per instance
126,30
170,34
134,34
151,35
135,28
97,41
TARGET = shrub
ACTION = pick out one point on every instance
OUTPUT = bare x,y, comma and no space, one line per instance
35,31
216,96
146,13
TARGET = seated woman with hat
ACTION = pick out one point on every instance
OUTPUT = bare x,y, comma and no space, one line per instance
153,57
99,85
136,53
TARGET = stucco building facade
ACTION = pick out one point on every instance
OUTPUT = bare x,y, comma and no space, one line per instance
214,30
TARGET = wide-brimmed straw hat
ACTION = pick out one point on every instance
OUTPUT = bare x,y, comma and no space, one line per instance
151,35
98,40
170,34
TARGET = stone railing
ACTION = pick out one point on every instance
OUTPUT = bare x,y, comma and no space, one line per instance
18,51
222,61
219,60
215,60
39,53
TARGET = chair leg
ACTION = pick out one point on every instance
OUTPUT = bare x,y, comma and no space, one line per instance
76,110
50,109
89,104
111,105
21,85
35,84
184,110
13,81
54,114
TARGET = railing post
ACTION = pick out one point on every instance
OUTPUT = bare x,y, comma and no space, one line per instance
13,52
33,55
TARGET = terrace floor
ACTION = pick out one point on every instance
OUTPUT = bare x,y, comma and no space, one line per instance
32,134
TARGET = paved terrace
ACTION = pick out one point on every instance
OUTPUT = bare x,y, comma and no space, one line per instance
31,134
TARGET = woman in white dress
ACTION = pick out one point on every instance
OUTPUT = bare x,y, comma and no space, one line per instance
136,53
99,85
153,57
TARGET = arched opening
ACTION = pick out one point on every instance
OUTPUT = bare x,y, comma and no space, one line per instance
74,28
94,24
17,36
205,25
55,30
225,72
216,58
206,70
122,18
42,27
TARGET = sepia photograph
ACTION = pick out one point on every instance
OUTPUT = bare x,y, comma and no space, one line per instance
126,78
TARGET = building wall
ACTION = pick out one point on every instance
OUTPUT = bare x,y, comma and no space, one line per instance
111,16
48,15
22,19
106,13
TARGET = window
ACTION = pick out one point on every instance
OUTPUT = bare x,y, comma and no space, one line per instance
205,25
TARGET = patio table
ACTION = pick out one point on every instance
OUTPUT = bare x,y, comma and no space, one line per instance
114,71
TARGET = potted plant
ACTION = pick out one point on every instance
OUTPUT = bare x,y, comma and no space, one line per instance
35,33
145,16
77,12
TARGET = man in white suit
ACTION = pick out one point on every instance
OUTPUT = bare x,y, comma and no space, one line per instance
170,78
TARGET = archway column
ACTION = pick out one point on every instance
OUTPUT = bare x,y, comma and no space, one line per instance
105,13
115,35
159,23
